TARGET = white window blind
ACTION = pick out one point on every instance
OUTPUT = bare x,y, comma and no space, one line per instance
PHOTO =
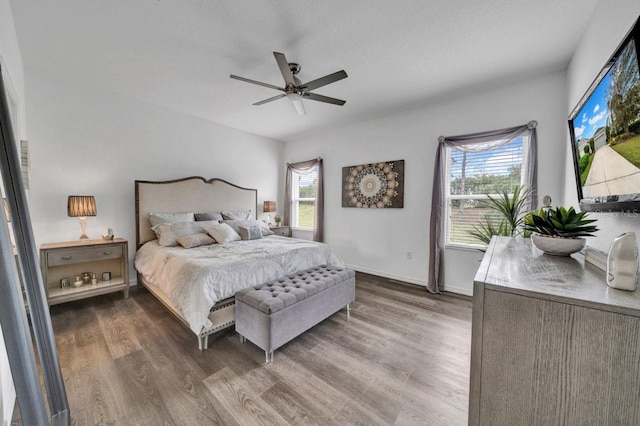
473,175
303,199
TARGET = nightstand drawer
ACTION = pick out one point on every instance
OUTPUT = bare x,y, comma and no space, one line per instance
284,231
90,254
107,260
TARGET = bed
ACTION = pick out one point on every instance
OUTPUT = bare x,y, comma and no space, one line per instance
198,284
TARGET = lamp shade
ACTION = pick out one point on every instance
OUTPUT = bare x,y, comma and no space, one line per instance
81,206
269,206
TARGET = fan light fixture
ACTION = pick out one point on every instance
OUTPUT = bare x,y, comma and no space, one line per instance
294,89
81,206
296,100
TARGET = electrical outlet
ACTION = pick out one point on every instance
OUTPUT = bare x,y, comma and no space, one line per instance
409,255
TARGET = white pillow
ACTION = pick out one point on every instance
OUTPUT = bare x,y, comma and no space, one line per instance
195,240
222,233
237,215
160,218
168,233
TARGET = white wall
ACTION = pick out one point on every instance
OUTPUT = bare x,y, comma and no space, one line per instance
609,23
88,142
377,241
14,77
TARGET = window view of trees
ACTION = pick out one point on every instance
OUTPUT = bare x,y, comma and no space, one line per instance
473,175
306,200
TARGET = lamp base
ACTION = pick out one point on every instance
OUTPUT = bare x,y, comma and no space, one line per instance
83,228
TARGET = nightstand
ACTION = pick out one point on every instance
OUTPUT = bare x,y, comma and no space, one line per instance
72,259
284,231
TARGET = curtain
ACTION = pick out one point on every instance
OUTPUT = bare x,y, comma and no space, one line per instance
476,142
304,166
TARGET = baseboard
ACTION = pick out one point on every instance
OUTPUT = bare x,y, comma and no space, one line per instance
403,278
410,280
459,290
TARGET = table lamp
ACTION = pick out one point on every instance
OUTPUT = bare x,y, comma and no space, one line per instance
81,206
269,207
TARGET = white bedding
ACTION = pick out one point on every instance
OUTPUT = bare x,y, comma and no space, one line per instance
197,278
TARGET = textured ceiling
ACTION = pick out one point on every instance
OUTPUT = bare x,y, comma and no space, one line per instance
399,54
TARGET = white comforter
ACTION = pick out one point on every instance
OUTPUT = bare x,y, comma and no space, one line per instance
197,278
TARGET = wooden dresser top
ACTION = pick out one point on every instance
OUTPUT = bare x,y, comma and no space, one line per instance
514,265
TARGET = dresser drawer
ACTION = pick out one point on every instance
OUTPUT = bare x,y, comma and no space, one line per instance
89,254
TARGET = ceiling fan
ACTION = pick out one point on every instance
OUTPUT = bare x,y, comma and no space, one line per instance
294,90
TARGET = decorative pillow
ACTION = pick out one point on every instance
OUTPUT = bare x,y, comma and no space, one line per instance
251,232
203,224
237,215
160,218
208,216
236,224
222,233
168,233
195,240
264,228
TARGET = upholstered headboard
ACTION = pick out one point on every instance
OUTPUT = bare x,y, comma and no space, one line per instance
191,194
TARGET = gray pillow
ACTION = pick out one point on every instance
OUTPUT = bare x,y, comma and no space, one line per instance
208,216
250,233
236,224
160,218
237,215
168,233
195,240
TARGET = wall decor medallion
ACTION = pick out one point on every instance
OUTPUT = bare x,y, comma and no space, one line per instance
375,185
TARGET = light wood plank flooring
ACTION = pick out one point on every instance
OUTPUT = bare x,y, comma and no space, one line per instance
401,358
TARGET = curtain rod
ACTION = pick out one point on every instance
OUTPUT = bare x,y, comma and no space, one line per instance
530,125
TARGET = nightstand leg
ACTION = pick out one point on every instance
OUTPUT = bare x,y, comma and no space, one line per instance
126,292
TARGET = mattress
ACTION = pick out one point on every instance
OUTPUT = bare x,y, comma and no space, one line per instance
197,278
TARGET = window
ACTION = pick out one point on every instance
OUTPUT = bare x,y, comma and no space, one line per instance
303,198
470,176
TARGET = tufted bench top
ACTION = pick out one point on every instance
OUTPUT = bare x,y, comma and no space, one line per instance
275,295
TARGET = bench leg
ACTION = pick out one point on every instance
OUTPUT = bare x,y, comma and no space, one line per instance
268,357
203,342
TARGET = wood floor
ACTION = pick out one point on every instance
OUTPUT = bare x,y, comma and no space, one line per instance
401,358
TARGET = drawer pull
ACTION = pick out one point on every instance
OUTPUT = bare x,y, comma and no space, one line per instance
66,257
107,253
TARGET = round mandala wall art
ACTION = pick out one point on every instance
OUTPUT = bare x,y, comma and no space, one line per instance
374,186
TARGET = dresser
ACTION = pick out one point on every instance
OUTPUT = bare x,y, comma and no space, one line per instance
107,259
551,342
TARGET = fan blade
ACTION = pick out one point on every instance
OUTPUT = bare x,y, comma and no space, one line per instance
271,99
284,68
320,98
323,81
259,83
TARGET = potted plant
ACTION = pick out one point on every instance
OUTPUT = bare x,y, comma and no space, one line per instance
559,231
510,210
278,219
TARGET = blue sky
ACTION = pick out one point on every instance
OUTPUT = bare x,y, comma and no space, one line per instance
594,113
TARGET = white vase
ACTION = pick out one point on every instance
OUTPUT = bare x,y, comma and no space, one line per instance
558,246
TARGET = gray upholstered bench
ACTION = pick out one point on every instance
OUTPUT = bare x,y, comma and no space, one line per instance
273,313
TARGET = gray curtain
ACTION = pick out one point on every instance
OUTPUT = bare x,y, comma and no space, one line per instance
476,142
304,166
